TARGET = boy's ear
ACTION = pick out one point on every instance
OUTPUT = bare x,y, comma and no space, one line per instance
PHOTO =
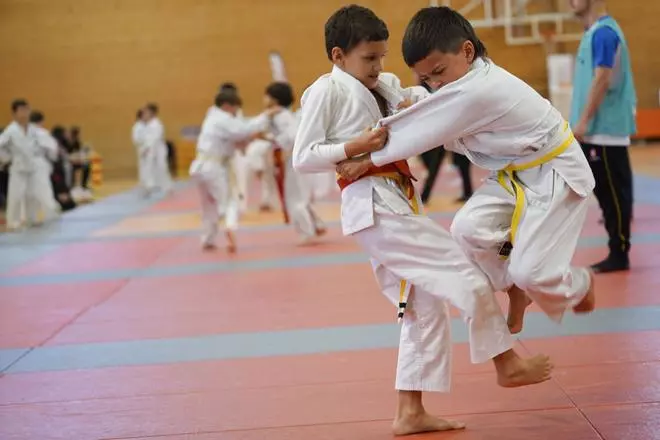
469,50
337,54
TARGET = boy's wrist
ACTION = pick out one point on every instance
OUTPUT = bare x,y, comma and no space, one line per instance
352,149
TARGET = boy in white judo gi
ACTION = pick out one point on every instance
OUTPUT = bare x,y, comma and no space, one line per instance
23,144
155,149
521,227
142,152
222,133
297,197
241,161
418,265
44,161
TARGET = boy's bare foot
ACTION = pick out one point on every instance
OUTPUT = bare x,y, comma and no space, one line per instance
412,418
588,303
231,242
305,241
424,422
209,246
514,371
518,303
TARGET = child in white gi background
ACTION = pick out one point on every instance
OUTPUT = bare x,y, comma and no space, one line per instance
297,198
222,133
153,138
23,144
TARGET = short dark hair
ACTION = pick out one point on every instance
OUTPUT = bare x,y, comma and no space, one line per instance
281,92
139,114
228,86
438,28
153,108
36,117
227,97
18,103
351,25
59,133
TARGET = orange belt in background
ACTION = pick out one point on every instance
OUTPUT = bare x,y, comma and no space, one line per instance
280,170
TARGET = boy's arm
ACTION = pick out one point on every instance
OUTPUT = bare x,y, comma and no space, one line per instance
151,135
605,45
5,154
137,136
413,94
239,130
450,113
311,151
48,144
285,125
410,95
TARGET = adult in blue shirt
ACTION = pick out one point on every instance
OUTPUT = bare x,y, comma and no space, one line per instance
603,119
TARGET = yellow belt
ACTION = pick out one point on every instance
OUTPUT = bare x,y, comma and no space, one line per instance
222,160
508,180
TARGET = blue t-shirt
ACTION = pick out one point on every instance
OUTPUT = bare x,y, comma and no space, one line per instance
605,44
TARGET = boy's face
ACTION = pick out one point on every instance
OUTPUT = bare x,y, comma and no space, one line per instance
22,114
364,62
269,101
439,69
229,108
580,7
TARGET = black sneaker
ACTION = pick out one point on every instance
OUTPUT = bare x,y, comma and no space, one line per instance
612,264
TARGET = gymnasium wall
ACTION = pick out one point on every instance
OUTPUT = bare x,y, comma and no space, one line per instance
94,62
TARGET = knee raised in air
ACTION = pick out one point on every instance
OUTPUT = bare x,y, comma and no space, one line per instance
464,229
534,277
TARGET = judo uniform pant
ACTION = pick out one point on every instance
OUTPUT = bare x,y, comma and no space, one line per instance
240,168
143,170
155,173
297,199
414,248
259,159
26,196
218,196
48,204
162,168
545,239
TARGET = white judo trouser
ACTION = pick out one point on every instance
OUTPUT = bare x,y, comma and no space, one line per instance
545,239
218,195
240,167
155,172
162,168
144,170
259,159
417,249
297,199
321,184
29,194
46,195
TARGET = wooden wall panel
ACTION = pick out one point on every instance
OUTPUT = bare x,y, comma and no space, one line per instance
93,62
